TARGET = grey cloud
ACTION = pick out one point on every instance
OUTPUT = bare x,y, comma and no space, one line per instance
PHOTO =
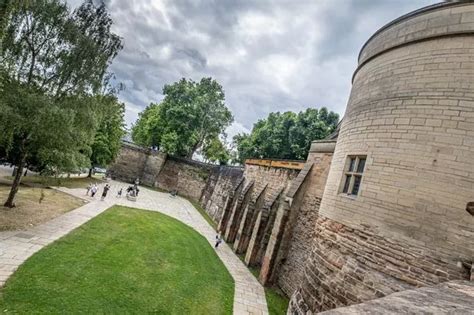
268,55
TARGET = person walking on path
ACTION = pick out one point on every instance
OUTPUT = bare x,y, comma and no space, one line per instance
218,241
119,194
104,193
93,190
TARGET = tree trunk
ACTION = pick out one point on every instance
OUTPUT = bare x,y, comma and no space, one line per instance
195,147
16,181
90,173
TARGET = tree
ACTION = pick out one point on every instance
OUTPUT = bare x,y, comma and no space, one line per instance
215,151
311,125
147,130
191,115
107,140
52,63
285,135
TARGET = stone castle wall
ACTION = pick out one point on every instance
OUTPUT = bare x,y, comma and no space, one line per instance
134,162
411,113
189,178
273,178
300,241
220,190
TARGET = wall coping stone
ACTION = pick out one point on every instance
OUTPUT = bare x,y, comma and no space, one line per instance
453,297
288,164
323,146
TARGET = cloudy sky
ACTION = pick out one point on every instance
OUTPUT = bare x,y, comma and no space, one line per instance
268,55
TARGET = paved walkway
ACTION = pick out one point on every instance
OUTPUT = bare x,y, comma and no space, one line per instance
17,246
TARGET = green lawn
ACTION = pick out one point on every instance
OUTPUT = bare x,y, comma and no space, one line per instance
277,303
121,262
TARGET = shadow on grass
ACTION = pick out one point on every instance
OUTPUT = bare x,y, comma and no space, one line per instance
47,181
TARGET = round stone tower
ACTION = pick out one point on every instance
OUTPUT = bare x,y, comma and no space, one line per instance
395,210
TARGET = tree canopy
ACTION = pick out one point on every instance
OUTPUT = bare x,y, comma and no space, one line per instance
107,140
53,67
192,116
285,135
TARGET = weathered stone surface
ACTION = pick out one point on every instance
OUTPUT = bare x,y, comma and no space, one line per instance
299,234
237,212
248,222
349,266
271,177
130,163
454,297
188,177
220,190
262,231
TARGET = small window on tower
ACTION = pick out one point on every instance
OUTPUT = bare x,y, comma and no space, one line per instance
354,170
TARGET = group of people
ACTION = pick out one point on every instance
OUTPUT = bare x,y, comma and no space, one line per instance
93,188
132,191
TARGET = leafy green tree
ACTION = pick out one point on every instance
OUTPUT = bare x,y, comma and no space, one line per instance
215,151
310,125
107,140
285,135
147,130
191,115
52,62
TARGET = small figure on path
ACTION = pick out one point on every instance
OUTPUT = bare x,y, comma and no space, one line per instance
119,194
132,193
89,187
218,241
93,190
104,193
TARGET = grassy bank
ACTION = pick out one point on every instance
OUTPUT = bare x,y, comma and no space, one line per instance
121,262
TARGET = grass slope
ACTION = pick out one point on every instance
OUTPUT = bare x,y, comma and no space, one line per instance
276,301
123,261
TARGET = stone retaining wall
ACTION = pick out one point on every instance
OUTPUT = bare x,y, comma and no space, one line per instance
189,178
134,162
348,266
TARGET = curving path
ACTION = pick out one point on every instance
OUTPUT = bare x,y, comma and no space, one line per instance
17,246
